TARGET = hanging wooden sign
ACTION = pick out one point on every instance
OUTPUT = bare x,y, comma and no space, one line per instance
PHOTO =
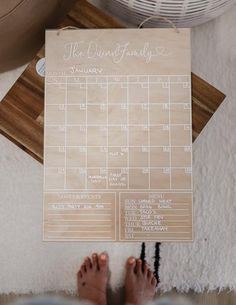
118,135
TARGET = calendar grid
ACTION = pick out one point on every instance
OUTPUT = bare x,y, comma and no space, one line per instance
86,124
148,100
107,121
127,105
169,127
65,128
135,121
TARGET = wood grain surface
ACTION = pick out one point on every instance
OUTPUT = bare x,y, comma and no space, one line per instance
21,110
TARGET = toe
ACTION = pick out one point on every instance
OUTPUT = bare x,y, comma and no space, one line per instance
79,278
145,269
131,263
83,268
87,263
79,274
149,274
154,281
139,266
103,261
95,260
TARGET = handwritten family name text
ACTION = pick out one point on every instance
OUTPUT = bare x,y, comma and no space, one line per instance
93,51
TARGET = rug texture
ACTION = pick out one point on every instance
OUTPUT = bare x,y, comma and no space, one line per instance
29,265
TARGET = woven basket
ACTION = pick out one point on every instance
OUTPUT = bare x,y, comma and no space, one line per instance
184,13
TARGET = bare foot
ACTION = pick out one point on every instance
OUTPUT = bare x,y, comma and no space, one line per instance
140,283
92,279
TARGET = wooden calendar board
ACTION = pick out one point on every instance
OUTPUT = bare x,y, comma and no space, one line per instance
118,139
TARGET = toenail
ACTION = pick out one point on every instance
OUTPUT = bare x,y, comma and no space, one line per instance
103,257
131,260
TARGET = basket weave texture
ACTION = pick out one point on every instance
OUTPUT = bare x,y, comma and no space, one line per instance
184,13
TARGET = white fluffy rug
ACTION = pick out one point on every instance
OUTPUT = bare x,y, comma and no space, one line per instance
29,265
26,263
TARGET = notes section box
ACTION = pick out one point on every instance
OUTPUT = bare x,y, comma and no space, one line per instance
85,216
155,216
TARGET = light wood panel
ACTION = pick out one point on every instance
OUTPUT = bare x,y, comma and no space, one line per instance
120,133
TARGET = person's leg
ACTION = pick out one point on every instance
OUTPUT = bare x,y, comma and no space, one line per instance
92,279
140,283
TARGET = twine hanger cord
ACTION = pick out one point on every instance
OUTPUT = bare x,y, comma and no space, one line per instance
159,17
69,27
